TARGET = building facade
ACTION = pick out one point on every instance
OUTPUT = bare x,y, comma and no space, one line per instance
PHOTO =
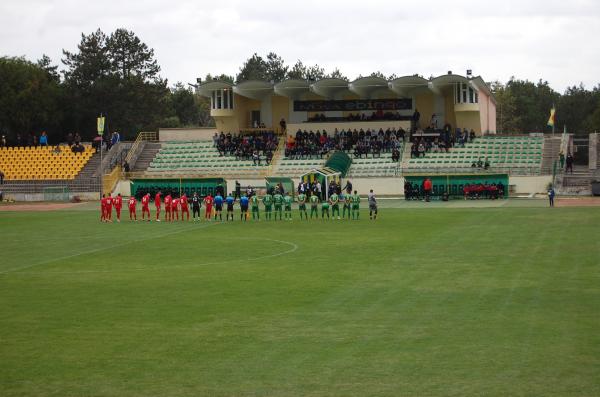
369,102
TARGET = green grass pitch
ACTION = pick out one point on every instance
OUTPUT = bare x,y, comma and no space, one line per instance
440,301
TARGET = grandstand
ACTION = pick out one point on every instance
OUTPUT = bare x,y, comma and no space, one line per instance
199,157
514,154
42,163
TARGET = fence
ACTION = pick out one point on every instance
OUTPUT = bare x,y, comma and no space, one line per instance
56,193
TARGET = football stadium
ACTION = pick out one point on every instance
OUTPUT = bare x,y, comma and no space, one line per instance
452,276
408,209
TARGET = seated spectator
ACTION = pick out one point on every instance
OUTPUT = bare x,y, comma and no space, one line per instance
486,164
395,155
78,148
56,150
421,150
256,158
479,163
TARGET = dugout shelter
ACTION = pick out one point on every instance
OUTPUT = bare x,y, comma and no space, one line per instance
324,176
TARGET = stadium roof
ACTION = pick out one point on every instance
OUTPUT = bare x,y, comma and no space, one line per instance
365,87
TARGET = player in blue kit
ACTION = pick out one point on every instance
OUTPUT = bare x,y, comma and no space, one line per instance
229,200
218,206
244,201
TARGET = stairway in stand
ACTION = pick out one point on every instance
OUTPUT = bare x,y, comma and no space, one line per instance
85,181
148,153
576,183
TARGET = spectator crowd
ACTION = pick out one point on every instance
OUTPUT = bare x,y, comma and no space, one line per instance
255,146
308,144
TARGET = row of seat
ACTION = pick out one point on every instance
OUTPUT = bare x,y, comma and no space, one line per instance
200,156
502,153
31,163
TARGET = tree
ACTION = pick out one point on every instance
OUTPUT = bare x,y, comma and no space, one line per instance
336,74
505,108
221,77
275,68
30,99
315,73
255,68
90,63
298,71
377,74
45,63
117,76
575,106
184,105
129,56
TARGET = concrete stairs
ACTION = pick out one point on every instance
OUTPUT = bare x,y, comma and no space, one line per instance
90,169
578,183
148,153
550,153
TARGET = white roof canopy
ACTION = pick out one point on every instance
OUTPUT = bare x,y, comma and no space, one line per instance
365,87
329,88
293,88
254,89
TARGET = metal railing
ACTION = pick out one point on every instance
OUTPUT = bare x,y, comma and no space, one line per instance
135,149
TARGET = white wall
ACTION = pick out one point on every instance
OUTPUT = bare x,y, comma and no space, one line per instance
530,184
381,186
124,187
186,134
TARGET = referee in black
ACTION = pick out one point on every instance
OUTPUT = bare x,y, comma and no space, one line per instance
196,206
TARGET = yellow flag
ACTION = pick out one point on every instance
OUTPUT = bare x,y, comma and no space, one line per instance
101,125
552,116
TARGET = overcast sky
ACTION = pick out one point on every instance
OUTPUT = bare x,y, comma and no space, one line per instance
557,40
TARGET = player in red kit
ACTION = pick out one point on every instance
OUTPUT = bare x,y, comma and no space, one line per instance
103,208
208,202
118,203
168,208
183,202
132,208
145,204
157,205
175,209
109,205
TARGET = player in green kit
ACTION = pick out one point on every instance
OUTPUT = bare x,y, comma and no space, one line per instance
314,206
302,205
325,209
278,200
347,205
287,206
254,201
355,205
268,202
334,200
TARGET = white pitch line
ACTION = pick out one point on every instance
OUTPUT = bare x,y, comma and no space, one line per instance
15,269
294,247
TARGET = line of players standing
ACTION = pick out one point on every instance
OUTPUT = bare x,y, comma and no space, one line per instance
175,206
